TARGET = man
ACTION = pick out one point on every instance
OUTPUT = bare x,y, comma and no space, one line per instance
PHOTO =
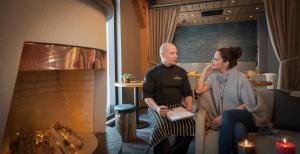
165,86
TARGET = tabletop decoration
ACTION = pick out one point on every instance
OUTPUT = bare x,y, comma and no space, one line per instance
246,147
285,147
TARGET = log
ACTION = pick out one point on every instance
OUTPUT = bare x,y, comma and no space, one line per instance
126,125
60,142
58,139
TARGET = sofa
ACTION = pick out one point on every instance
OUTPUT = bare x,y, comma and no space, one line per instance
285,109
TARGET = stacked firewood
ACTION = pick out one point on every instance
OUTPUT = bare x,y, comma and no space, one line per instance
65,139
31,142
57,139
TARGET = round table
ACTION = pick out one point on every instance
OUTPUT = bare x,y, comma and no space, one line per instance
135,85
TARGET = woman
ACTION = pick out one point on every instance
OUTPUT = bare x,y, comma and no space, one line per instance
232,93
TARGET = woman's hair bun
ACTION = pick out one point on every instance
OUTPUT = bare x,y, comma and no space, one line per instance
237,52
231,55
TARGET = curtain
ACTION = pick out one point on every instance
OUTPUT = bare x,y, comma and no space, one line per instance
162,28
283,24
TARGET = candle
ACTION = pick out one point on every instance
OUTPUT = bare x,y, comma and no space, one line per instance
246,147
285,147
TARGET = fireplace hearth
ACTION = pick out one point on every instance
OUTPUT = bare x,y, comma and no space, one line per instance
56,87
56,139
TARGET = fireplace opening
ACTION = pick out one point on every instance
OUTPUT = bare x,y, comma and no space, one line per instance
58,84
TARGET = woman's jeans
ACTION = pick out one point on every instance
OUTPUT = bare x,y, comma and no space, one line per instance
235,124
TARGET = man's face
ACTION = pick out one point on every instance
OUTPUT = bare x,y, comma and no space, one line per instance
169,56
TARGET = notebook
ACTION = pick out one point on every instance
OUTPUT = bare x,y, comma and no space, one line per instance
178,114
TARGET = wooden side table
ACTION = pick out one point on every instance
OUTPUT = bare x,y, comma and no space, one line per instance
135,85
126,121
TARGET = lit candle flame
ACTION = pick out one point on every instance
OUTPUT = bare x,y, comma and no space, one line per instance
284,140
246,142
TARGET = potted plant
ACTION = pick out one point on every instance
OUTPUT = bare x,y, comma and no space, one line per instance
128,77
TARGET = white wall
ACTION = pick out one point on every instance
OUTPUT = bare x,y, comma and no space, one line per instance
74,22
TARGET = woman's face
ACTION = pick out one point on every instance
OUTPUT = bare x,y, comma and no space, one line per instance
217,63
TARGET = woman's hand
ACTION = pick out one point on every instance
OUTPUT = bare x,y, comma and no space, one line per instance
201,86
217,121
241,107
207,69
162,110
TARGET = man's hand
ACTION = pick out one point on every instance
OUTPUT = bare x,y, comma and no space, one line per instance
189,109
162,110
188,101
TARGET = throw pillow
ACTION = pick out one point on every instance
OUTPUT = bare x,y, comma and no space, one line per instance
286,111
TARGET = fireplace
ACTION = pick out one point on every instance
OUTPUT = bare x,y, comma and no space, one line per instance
59,83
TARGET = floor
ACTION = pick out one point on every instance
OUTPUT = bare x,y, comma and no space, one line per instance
140,146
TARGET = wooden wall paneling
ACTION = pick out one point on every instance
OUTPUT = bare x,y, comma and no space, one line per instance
225,3
140,10
198,14
209,5
189,7
202,6
196,6
183,8
230,3
217,4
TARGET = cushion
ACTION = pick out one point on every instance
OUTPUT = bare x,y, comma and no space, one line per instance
211,142
286,111
295,93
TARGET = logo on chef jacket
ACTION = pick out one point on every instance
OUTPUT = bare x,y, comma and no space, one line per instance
177,78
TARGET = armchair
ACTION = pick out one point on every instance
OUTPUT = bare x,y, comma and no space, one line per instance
206,140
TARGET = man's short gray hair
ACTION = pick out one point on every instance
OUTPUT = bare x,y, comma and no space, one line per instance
163,47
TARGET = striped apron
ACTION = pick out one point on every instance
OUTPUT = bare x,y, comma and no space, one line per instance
163,127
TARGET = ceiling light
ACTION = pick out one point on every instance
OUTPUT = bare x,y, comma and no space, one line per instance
229,11
227,18
251,16
233,1
257,8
